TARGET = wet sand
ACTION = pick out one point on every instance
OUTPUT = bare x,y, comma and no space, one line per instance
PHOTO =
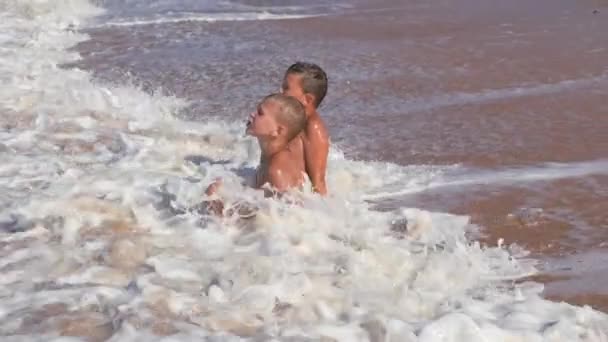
563,224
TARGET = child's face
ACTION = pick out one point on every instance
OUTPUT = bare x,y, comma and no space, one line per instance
263,122
292,86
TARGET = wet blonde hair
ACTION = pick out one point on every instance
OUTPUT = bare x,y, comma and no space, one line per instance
290,112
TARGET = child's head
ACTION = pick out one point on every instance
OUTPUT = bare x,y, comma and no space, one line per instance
306,82
278,116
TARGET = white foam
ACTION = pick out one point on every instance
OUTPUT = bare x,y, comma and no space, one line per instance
88,166
207,17
513,176
492,95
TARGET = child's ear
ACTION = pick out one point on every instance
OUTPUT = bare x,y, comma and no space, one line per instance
281,130
309,99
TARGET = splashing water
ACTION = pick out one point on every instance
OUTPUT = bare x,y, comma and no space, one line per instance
101,236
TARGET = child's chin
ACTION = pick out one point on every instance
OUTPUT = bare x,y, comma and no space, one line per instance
253,134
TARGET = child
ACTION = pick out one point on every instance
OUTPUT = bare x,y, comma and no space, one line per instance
307,82
277,122
279,119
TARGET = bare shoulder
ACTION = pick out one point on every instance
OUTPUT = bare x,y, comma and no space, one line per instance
279,164
278,172
315,128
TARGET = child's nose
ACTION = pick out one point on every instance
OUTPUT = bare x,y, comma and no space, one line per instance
250,118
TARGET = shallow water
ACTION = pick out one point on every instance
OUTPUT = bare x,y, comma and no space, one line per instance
113,123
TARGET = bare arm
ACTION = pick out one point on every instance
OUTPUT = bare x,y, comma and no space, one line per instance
278,180
316,149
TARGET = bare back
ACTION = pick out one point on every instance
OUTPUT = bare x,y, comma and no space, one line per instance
285,169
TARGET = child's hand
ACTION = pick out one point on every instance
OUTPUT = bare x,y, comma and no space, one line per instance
213,187
214,206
